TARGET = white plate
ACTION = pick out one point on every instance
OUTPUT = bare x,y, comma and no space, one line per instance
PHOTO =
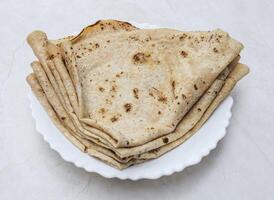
187,154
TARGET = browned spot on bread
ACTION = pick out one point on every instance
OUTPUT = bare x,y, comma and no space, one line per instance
195,87
118,75
128,107
162,99
184,54
114,119
215,50
63,118
101,89
135,92
199,109
182,37
165,140
183,96
134,38
159,112
210,38
108,41
113,88
102,110
78,56
140,58
97,45
51,56
173,88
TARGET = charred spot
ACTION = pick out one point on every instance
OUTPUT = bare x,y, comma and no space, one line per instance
215,50
165,140
114,119
90,50
134,38
182,37
51,56
97,45
199,109
151,94
63,118
204,82
210,38
215,92
108,41
183,96
176,97
195,87
140,58
114,28
102,110
184,54
162,99
153,45
128,107
113,88
71,48
78,56
159,112
106,80
127,142
102,28
85,48
101,89
66,52
90,43
135,92
178,103
172,124
173,85
118,75
90,80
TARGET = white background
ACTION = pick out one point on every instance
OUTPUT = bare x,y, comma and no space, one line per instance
242,165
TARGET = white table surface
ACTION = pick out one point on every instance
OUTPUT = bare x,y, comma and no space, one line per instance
242,165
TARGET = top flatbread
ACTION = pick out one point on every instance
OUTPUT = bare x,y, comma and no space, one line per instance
137,85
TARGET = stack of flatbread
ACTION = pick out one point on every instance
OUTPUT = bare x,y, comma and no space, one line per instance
127,95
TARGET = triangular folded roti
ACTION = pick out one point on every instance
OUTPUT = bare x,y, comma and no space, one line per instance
137,86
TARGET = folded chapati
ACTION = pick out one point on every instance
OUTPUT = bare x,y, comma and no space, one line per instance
126,95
